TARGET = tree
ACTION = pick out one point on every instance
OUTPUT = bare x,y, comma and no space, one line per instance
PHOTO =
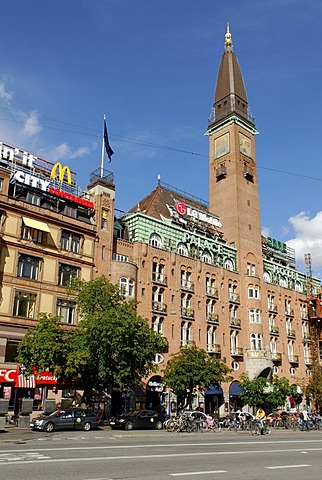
190,368
254,390
279,391
313,389
46,346
112,346
259,391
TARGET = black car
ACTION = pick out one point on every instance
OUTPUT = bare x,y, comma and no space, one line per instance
71,419
138,419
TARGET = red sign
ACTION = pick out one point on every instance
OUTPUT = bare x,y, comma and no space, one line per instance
7,375
45,378
37,378
72,198
181,208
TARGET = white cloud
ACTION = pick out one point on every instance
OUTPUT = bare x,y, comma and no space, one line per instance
31,124
5,96
64,152
307,238
265,232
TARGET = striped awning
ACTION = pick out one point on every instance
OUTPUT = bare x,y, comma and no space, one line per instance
26,382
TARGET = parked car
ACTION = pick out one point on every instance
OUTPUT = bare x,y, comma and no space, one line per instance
198,416
70,419
138,419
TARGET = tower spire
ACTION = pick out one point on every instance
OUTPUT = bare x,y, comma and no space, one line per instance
228,39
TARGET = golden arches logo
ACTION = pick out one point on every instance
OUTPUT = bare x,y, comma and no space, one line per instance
58,172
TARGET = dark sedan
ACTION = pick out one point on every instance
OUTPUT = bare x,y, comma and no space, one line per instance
138,419
71,419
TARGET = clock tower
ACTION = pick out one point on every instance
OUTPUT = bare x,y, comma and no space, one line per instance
233,189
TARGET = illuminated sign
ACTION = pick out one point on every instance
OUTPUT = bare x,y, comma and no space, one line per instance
276,244
202,216
31,180
31,171
71,197
7,375
61,173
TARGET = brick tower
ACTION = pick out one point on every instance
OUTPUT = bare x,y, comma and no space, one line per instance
233,191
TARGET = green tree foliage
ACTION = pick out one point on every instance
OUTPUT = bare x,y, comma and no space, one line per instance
46,346
279,391
259,391
192,367
313,389
254,390
112,346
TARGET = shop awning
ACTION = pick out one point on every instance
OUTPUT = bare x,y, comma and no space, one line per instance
25,382
213,390
235,389
30,222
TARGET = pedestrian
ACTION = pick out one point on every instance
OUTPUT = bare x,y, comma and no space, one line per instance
304,416
260,417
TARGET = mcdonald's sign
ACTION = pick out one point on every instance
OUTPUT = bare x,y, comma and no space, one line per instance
58,172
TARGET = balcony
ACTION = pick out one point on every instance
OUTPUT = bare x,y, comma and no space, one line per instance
237,352
187,312
272,308
213,318
159,278
214,349
274,330
276,357
235,322
290,333
293,359
187,285
159,307
308,361
306,337
212,292
234,297
289,313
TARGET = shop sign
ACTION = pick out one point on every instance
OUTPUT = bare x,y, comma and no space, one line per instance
32,179
46,378
7,375
194,213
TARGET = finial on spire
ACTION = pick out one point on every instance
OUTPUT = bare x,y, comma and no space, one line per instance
228,39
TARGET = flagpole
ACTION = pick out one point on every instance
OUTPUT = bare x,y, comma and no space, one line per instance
102,158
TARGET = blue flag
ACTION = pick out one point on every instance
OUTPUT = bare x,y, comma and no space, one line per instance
108,148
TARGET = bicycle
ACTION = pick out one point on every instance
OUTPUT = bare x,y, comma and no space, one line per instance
260,428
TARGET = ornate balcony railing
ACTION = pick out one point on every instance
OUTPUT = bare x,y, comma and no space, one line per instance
159,307
237,352
235,322
187,312
159,278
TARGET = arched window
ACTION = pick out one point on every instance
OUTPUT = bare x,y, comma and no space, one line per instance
155,240
206,257
229,264
283,282
256,341
211,338
157,324
127,286
298,286
182,249
185,333
267,277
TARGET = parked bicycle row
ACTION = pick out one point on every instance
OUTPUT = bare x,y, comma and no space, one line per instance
195,421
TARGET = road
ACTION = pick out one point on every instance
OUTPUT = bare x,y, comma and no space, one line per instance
159,455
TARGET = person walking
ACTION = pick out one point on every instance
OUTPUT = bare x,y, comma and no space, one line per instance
304,416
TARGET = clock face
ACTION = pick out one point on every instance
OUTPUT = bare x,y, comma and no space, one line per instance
245,145
222,145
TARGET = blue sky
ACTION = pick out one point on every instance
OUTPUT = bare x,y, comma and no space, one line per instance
151,66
